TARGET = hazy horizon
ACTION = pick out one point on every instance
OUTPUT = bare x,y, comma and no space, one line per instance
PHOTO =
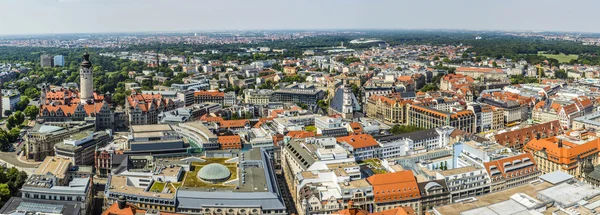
45,17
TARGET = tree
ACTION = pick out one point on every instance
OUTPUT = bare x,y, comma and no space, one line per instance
20,117
32,111
4,192
11,122
494,64
7,112
21,105
32,92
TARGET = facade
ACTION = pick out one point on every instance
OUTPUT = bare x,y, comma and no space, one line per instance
362,146
209,96
154,139
390,110
512,171
330,126
52,181
41,139
46,61
10,99
424,117
517,139
295,95
564,153
416,142
230,142
433,193
143,109
81,147
101,114
257,97
59,60
392,190
465,182
86,80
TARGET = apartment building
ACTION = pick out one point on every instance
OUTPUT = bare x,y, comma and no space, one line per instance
465,182
512,171
425,117
390,110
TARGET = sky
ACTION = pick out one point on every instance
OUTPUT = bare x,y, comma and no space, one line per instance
23,17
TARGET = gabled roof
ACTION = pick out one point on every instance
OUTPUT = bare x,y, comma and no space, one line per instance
358,141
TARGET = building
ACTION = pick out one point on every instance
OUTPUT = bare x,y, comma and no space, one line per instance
512,171
344,102
144,109
40,140
564,152
229,99
81,147
209,96
230,142
86,80
59,60
154,139
257,97
433,193
256,191
362,146
198,135
392,190
46,61
481,72
427,118
517,139
52,181
416,142
465,182
298,93
99,113
390,110
10,98
289,70
330,126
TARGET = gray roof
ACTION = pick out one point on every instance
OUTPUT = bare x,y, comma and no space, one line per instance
39,205
556,177
197,199
415,136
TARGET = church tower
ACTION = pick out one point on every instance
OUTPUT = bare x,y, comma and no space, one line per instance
347,101
86,80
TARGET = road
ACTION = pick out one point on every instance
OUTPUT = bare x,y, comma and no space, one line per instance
11,159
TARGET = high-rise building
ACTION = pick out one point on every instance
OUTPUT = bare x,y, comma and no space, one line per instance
87,80
46,61
59,60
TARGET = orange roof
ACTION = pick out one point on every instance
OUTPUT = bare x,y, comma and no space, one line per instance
520,136
209,93
359,141
501,164
478,69
129,209
207,118
300,134
229,139
567,153
405,78
393,211
356,127
397,186
233,123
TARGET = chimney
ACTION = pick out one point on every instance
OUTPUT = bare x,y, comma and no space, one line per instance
560,143
121,202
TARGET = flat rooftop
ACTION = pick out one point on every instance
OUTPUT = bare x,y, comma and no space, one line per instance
118,183
458,170
58,166
492,198
355,184
150,128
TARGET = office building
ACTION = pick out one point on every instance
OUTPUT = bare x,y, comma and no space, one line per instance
59,60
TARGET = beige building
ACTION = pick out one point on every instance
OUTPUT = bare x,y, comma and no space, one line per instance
257,97
427,118
390,110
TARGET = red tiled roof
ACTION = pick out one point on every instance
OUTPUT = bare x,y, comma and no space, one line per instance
359,141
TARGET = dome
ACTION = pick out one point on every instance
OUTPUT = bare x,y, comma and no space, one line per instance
214,173
86,61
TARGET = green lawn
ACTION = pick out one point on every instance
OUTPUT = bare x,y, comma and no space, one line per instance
562,58
191,178
157,187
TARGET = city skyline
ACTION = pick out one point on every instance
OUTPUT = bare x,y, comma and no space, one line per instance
33,17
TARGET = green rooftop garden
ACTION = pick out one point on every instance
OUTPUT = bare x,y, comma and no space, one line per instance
157,187
375,165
